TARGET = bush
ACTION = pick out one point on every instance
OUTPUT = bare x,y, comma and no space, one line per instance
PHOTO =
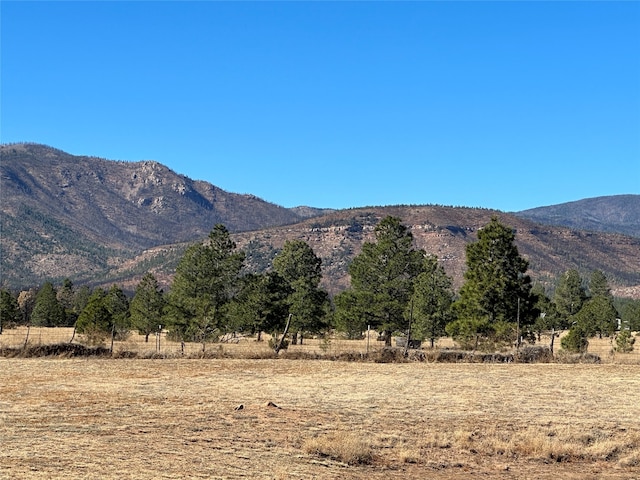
273,343
575,341
535,354
624,342
566,357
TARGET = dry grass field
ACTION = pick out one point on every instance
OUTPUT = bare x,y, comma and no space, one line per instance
181,418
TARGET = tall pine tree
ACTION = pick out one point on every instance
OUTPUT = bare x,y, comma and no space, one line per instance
206,279
382,277
301,268
146,307
496,292
47,312
431,302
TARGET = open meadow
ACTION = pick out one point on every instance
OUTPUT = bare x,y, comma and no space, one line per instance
316,419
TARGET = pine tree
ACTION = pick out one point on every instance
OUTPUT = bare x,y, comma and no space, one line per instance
66,297
47,311
206,279
496,293
350,314
431,302
95,319
599,285
117,304
569,295
597,317
261,305
383,274
147,306
301,268
9,310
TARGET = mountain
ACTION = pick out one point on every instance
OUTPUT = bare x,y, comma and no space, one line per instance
617,213
100,222
78,216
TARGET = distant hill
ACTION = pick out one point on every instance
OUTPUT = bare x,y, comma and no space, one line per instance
99,222
444,231
617,214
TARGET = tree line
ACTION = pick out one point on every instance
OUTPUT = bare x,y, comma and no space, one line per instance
396,289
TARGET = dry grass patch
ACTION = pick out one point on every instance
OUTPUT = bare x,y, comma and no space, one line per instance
347,447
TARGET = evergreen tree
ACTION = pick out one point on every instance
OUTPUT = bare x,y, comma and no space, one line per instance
117,304
147,306
431,302
382,277
9,310
47,311
569,295
81,299
350,314
206,279
599,285
597,317
261,305
66,297
576,341
301,268
496,293
95,319
630,315
624,342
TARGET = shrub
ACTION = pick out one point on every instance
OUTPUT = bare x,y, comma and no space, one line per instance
624,342
273,343
535,354
575,341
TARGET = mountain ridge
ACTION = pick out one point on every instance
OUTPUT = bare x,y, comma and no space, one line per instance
613,213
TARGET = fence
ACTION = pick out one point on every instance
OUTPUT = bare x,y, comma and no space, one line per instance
240,346
248,347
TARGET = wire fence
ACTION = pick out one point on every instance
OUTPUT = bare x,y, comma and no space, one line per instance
248,347
160,344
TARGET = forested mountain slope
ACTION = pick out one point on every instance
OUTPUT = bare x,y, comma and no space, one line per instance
64,214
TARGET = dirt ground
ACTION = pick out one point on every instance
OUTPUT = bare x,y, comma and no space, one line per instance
179,418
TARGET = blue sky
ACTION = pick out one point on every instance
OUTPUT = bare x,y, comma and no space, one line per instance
506,105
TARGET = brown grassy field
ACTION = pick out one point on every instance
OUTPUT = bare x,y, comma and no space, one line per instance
180,418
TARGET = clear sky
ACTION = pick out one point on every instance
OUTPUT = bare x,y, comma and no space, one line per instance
507,105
